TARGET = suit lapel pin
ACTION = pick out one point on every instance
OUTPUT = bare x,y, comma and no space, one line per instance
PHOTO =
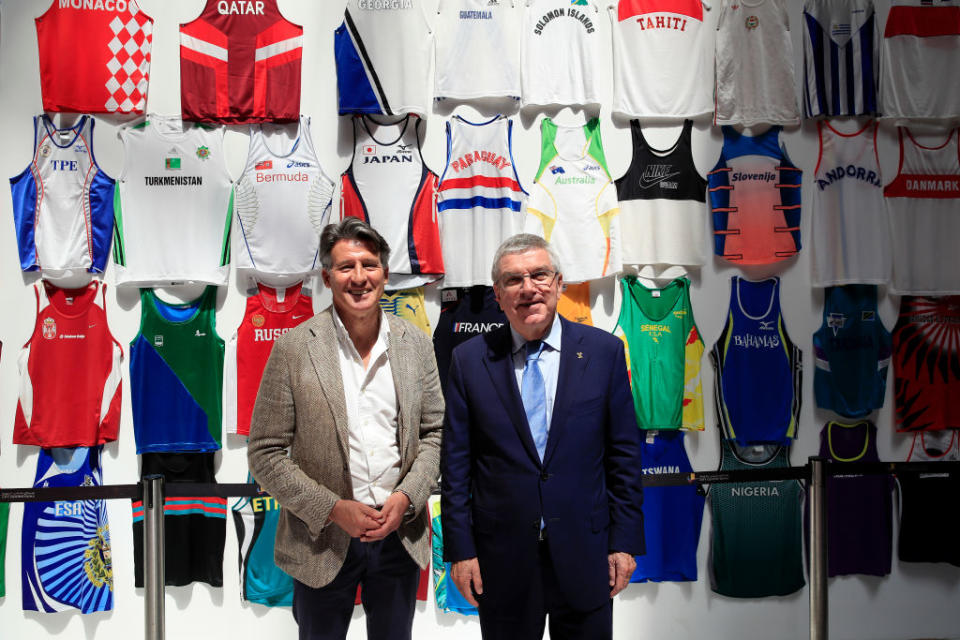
579,355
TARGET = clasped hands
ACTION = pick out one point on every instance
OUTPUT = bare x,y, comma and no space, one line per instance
369,524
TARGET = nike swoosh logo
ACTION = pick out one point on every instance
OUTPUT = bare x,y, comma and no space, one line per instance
300,316
646,183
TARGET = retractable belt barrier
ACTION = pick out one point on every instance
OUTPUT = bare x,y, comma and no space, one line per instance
246,490
153,492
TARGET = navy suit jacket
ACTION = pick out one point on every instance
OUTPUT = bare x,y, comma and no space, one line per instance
495,489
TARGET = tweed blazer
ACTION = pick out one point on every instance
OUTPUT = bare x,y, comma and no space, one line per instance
301,407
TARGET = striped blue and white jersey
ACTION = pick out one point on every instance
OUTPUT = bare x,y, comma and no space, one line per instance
840,53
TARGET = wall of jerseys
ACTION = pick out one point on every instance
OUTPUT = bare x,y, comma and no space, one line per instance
145,283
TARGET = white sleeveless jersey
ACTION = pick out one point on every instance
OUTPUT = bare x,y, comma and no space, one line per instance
563,53
922,202
662,59
754,62
573,203
663,211
479,200
63,202
851,236
478,49
390,187
282,203
935,446
840,58
382,51
921,50
174,208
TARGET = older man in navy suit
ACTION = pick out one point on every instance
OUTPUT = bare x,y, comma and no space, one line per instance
540,462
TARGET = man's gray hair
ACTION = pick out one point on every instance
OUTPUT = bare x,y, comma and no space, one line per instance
521,243
352,229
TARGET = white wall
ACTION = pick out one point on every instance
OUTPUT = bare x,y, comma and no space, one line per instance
916,600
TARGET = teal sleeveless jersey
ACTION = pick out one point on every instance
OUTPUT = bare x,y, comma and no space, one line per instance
756,546
261,580
4,516
663,349
448,596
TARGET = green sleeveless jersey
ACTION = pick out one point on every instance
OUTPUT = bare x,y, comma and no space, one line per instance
176,375
756,547
4,515
663,349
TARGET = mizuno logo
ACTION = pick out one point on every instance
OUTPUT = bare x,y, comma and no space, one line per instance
766,325
403,148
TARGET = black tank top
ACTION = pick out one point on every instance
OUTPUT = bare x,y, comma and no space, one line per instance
662,174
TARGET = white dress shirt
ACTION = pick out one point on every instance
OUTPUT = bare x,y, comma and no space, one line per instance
372,407
549,362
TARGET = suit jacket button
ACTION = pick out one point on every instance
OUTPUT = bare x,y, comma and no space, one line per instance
544,476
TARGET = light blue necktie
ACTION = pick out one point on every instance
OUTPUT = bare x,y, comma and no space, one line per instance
534,396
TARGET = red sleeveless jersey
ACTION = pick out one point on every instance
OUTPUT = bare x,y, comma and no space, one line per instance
69,372
110,72
240,63
267,318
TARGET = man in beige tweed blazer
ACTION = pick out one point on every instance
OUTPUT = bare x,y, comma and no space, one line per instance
354,395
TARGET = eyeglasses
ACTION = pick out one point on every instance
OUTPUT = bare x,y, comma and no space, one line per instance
541,279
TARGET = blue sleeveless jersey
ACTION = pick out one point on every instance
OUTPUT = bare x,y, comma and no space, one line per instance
261,580
447,594
671,515
852,350
66,561
758,382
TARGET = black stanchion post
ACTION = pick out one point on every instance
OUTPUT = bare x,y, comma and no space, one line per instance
153,556
818,548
